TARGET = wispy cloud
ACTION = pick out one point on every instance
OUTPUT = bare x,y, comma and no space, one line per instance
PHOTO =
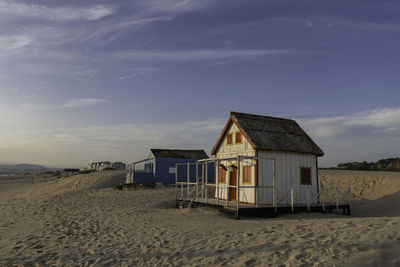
127,142
138,72
83,102
113,31
56,13
174,6
14,42
73,103
367,135
198,55
375,119
133,75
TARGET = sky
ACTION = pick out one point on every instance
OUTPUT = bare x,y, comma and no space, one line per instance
84,81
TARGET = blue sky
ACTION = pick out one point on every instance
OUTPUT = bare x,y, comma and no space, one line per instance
83,81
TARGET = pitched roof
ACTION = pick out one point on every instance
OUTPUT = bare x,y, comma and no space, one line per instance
271,133
179,153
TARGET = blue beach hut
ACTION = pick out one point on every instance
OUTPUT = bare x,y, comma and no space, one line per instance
159,166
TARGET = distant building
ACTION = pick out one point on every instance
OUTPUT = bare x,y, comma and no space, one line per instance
102,165
159,166
118,166
69,172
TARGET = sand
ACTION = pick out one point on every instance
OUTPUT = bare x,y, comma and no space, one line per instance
82,220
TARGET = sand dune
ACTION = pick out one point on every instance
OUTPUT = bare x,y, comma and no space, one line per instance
82,220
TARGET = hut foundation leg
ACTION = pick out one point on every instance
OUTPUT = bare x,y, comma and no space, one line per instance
237,215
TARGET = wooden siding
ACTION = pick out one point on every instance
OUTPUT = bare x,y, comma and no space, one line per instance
247,195
287,176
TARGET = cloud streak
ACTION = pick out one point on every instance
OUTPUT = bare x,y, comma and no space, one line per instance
174,6
367,135
199,55
56,13
73,103
83,102
14,42
127,142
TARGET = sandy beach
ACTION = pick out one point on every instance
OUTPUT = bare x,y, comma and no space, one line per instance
83,221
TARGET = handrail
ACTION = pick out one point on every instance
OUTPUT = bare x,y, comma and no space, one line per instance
187,197
197,195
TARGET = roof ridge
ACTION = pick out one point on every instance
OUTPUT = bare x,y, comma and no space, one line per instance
260,116
176,149
270,131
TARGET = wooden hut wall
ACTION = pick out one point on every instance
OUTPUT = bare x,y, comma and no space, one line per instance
247,195
163,174
287,176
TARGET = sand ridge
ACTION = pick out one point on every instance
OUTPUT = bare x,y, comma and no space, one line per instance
82,220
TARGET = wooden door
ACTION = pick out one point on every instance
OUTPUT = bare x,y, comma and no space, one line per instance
233,181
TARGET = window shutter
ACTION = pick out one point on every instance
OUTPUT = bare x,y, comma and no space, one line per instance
305,176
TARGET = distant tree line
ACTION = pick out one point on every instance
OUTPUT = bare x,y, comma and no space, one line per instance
390,164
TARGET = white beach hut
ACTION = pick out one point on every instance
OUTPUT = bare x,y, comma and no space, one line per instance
282,163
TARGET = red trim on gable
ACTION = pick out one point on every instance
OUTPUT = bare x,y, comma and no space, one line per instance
243,132
231,119
221,136
256,178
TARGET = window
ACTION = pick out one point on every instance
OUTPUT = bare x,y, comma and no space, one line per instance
172,169
238,138
222,175
305,176
246,177
229,139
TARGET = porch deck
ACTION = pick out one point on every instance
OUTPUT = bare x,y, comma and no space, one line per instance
265,210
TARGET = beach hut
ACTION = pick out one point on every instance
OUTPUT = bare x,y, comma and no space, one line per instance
68,172
262,164
281,165
160,165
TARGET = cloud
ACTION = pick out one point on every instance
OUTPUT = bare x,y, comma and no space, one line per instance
136,72
83,102
386,117
115,29
56,13
174,6
73,103
14,42
198,55
127,142
368,135
133,75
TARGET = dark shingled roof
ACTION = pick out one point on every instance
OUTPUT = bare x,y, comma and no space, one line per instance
271,133
179,153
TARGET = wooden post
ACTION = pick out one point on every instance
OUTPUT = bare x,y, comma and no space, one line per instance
197,180
348,213
349,209
273,187
238,187
291,199
308,199
188,177
217,182
337,200
323,198
133,172
202,179
206,190
176,181
182,192
227,181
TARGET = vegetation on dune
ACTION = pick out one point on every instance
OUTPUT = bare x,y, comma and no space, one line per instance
390,164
